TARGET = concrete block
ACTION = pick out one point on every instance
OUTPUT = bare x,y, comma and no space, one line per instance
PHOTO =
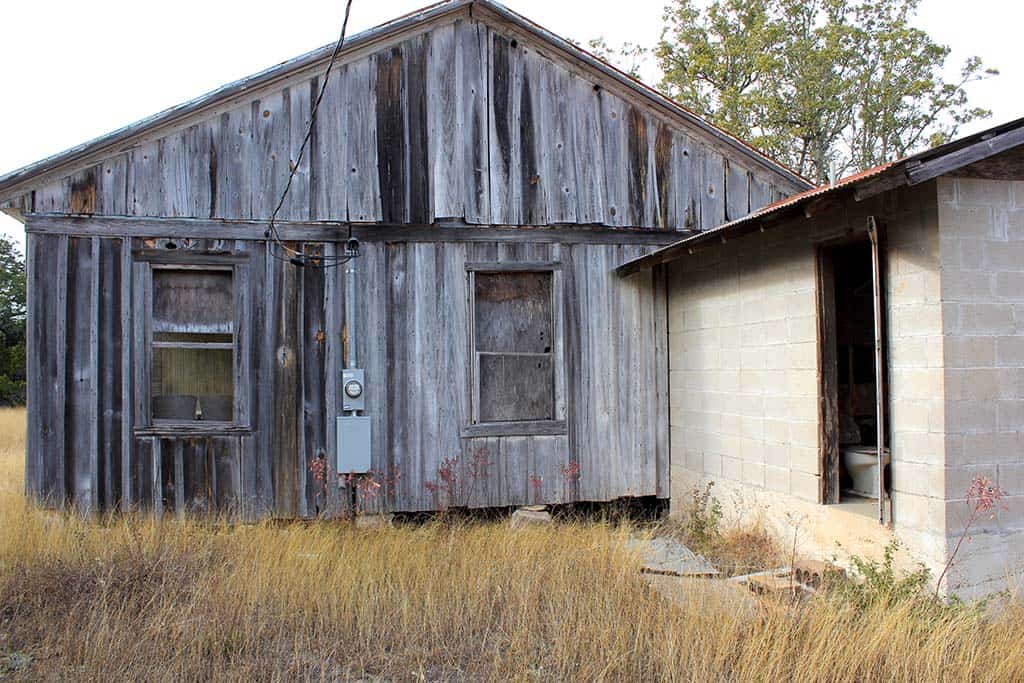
1003,256
915,383
946,190
777,455
753,474
918,479
801,356
968,351
970,416
804,459
1010,477
917,320
1010,415
983,193
922,447
918,512
803,434
776,479
1010,286
776,431
990,448
1009,351
804,486
967,221
732,468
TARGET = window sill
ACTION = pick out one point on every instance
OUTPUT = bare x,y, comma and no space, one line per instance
197,427
535,428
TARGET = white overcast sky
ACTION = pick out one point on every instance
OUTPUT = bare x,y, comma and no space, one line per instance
74,70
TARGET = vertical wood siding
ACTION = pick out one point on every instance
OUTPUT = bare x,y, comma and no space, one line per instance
87,315
463,122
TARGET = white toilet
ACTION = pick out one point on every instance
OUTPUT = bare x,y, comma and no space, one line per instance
861,464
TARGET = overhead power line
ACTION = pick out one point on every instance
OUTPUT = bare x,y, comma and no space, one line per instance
294,256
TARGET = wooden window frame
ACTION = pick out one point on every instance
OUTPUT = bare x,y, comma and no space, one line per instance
144,264
556,426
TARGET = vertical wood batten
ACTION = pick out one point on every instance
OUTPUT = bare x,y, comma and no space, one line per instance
589,155
473,119
34,387
360,144
332,364
264,383
613,141
56,336
315,378
446,156
156,478
108,368
286,392
126,373
505,130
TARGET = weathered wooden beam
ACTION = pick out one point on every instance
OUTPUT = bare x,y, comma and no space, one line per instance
550,427
876,186
198,228
926,170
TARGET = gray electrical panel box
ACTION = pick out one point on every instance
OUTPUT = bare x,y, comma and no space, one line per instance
353,390
353,444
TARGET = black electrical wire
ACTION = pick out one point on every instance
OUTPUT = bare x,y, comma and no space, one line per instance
300,258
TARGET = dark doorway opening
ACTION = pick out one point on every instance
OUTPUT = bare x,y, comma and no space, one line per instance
851,386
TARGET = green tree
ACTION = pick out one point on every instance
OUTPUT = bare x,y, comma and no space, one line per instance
827,87
12,323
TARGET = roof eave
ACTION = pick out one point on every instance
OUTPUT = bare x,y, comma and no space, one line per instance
13,183
18,181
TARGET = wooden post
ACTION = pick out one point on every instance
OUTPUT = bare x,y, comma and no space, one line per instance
876,290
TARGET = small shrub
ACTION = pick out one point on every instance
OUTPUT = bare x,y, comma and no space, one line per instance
879,583
703,517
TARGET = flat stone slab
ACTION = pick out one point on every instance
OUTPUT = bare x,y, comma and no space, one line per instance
524,517
669,556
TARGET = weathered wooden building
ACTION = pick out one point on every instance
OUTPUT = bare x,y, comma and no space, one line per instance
495,174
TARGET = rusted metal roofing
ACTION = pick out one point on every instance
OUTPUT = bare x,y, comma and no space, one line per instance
911,170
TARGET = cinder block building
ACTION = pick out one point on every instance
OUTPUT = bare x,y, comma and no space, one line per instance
878,320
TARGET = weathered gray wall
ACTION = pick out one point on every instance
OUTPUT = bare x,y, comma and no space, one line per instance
463,120
88,444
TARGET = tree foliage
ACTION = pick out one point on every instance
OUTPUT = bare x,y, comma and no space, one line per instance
12,323
827,87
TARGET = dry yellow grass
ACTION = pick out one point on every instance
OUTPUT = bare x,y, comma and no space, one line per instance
131,599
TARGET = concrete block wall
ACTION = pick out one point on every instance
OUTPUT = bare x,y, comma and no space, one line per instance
743,377
981,233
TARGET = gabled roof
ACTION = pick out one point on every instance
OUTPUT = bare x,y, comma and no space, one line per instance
15,182
909,171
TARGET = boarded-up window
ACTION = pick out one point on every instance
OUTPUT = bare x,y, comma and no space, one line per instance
513,330
193,345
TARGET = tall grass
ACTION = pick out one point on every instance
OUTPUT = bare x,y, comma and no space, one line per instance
132,599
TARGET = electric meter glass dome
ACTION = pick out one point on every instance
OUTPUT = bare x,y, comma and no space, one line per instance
353,389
